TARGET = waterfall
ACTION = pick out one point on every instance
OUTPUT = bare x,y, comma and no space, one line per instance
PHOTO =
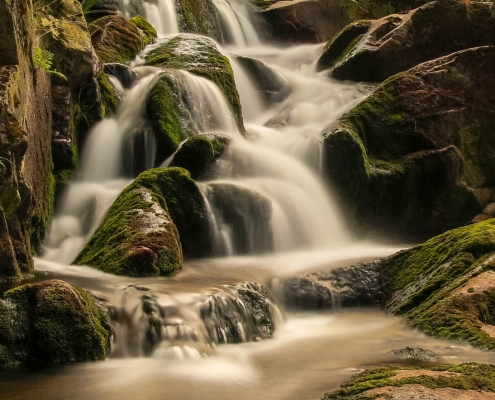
101,178
163,16
235,23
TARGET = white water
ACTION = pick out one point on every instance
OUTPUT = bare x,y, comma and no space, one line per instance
162,15
235,22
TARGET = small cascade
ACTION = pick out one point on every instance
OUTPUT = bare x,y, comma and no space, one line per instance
100,179
235,24
189,325
208,109
162,15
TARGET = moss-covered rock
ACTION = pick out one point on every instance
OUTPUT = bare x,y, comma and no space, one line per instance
198,16
140,234
398,42
470,380
416,157
198,154
199,56
53,323
117,40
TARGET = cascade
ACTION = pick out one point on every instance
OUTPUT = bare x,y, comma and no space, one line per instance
235,23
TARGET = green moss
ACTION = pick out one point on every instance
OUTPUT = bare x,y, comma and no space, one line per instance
201,57
164,113
469,376
198,17
198,153
61,324
109,99
148,32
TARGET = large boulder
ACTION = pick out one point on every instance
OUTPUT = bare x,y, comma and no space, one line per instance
52,323
140,234
398,42
118,40
199,56
465,381
198,16
417,157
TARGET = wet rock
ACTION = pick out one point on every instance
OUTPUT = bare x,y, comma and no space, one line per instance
355,286
468,381
198,16
415,353
94,9
246,213
199,56
398,42
52,323
271,85
199,153
292,22
125,74
415,168
117,40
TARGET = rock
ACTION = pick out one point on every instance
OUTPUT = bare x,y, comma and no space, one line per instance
52,323
199,56
355,286
271,85
94,9
198,16
445,286
125,74
117,40
246,213
468,381
415,168
416,353
310,21
199,153
140,234
398,42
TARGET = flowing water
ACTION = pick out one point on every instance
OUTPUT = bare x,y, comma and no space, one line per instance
205,341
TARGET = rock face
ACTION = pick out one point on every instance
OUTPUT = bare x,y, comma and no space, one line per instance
198,16
416,157
117,40
140,234
51,323
200,57
469,381
398,42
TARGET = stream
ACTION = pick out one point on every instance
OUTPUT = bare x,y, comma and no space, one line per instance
198,353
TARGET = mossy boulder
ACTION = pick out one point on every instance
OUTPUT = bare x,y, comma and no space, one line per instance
118,40
140,234
467,381
417,156
199,56
400,41
52,323
94,9
199,153
446,286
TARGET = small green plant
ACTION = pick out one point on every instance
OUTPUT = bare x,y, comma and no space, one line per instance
43,59
3,167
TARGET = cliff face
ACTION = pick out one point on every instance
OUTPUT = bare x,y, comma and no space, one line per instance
26,180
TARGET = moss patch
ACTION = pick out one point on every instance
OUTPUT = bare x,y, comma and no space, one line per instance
148,33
